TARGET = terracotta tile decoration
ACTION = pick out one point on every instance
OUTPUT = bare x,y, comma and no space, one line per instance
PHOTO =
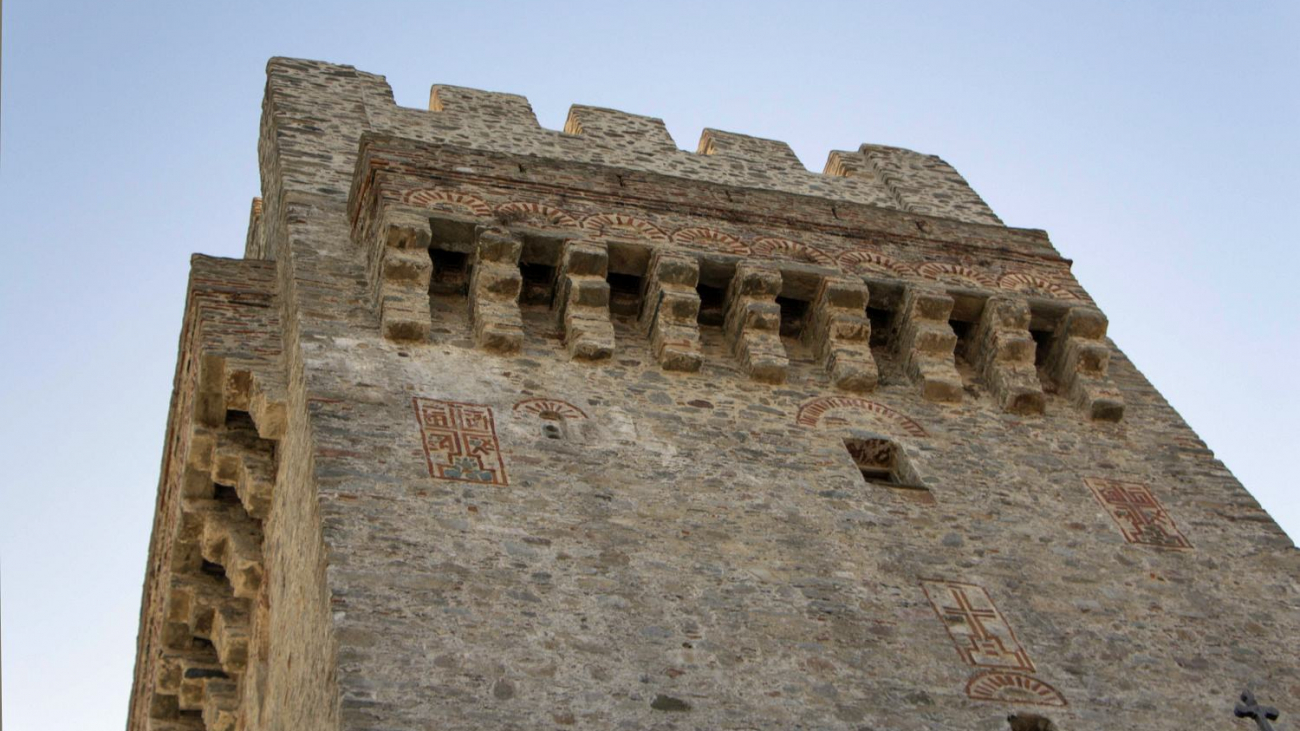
460,441
1137,512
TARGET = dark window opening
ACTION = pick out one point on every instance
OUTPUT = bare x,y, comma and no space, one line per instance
713,305
1042,344
450,272
212,569
225,494
539,283
1030,722
882,464
880,321
792,315
963,332
552,431
624,294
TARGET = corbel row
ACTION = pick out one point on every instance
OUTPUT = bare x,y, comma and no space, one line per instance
216,569
836,327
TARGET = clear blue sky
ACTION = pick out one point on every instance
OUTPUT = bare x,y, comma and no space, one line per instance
1156,142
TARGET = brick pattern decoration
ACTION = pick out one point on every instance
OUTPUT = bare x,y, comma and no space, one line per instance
619,225
549,408
980,632
460,441
1002,686
811,412
1137,512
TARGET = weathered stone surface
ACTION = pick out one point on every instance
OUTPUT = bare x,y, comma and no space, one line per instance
390,499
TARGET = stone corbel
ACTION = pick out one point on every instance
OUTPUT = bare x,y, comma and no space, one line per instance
1002,350
839,333
1078,361
671,309
753,322
583,300
494,291
926,342
404,270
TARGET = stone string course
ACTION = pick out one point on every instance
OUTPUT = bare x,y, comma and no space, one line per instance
499,427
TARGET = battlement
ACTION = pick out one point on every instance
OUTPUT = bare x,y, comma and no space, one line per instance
887,177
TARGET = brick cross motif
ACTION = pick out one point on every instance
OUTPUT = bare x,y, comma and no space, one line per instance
1248,708
1137,512
976,627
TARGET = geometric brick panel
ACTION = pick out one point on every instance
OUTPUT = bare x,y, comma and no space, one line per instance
980,632
460,441
1140,517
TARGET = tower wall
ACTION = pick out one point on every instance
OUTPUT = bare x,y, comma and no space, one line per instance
547,429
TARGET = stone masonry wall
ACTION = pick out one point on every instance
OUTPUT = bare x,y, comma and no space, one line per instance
492,514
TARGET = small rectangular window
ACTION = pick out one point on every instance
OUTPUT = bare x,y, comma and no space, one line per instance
882,464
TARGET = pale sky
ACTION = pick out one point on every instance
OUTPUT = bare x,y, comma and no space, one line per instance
1155,142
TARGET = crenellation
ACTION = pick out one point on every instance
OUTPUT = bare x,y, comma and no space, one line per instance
772,154
753,322
614,130
926,342
1002,349
926,184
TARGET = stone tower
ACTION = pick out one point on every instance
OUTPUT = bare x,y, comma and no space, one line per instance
501,427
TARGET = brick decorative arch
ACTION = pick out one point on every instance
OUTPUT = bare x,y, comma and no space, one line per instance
860,262
538,406
708,238
618,224
445,199
792,250
1004,686
1033,284
957,273
537,212
812,411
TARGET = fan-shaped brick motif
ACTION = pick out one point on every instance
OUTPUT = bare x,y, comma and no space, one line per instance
1010,687
1033,284
792,251
447,200
708,238
617,224
537,214
545,408
954,274
860,262
811,412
